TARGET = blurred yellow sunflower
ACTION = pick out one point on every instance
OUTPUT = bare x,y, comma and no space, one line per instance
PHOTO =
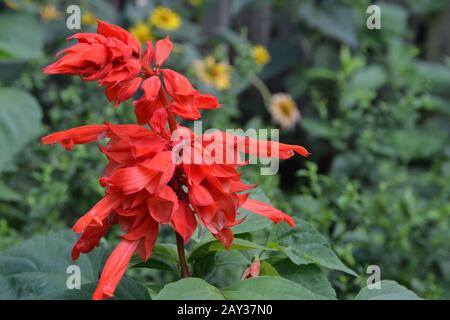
213,73
284,110
142,32
88,18
165,18
260,55
49,12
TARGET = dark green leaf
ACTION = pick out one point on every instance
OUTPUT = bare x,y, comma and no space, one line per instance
20,119
390,290
21,37
304,245
267,288
37,269
190,289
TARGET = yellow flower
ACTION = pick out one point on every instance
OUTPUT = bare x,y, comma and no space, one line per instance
216,74
260,55
284,110
165,18
141,31
88,18
49,12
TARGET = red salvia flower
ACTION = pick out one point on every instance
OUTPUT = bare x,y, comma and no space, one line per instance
152,176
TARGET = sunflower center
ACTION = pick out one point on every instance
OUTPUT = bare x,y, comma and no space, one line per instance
286,107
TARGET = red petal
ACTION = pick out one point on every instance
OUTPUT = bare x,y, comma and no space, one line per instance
149,55
151,87
122,91
114,269
110,30
183,221
158,121
200,196
163,205
163,49
79,135
267,211
89,239
176,83
130,179
99,212
206,101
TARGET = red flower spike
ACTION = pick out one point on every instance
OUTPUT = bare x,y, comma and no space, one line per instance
144,186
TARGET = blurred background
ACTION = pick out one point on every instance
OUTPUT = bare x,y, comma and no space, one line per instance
372,106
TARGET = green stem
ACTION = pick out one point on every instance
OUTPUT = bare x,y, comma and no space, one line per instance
262,88
182,257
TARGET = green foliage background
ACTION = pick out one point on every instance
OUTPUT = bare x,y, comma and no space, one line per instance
375,116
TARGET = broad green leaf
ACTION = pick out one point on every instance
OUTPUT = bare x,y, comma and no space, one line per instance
304,245
203,255
206,247
190,289
268,270
7,194
20,120
309,276
371,77
164,257
394,19
37,269
267,288
204,266
332,19
238,244
231,257
436,75
390,290
21,37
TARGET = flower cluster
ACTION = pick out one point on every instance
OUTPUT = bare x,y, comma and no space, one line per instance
144,185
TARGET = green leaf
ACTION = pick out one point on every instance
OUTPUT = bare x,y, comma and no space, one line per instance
21,37
394,19
371,77
332,19
231,257
304,245
390,290
37,269
164,257
309,276
203,255
238,244
7,194
437,75
267,288
206,247
268,270
190,289
20,120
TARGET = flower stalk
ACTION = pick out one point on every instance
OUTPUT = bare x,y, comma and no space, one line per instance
185,273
